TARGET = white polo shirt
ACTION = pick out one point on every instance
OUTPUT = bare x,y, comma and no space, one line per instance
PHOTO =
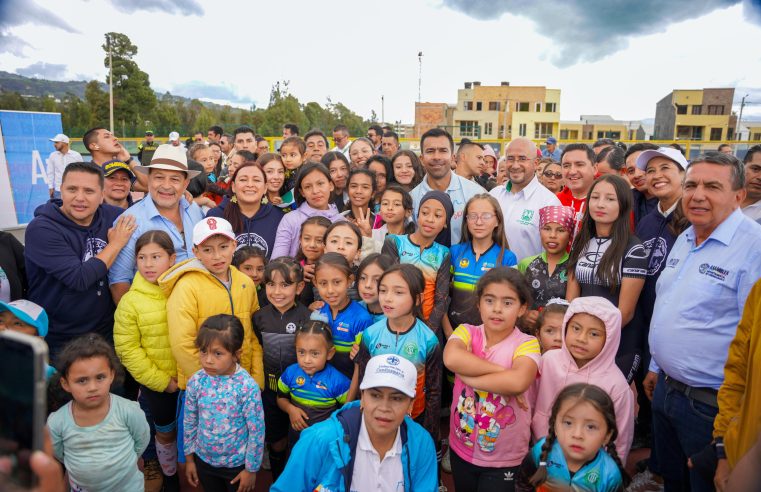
56,165
370,473
460,190
753,211
521,213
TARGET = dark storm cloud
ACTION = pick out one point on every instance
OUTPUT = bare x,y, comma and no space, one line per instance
588,30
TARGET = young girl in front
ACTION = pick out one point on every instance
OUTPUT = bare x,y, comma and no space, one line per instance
432,258
311,248
549,325
252,261
361,190
395,211
579,452
607,260
311,389
404,334
313,191
98,436
591,333
368,275
547,272
494,363
224,420
275,327
345,318
141,339
483,247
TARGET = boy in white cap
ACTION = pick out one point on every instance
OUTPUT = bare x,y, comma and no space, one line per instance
379,446
199,288
57,162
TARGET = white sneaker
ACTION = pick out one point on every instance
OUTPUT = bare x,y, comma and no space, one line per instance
446,463
645,482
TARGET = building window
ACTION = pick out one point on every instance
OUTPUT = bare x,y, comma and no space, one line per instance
542,130
756,136
468,106
521,106
522,129
731,133
494,106
550,107
681,109
609,134
469,129
537,107
563,134
715,109
715,134
487,128
479,105
501,131
697,110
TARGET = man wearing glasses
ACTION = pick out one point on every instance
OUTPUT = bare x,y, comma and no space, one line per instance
375,134
522,197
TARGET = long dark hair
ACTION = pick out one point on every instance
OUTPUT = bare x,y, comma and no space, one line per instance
608,271
304,171
417,166
598,398
413,277
232,213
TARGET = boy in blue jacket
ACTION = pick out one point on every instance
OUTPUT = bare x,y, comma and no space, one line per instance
371,444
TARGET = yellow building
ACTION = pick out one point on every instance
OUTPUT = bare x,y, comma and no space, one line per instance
505,111
597,126
699,114
754,132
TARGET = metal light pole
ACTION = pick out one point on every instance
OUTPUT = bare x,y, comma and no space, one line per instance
419,74
740,118
110,86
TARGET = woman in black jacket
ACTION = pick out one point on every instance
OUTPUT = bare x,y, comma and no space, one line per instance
12,270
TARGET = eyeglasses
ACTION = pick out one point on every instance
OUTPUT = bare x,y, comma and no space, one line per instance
520,159
550,174
485,217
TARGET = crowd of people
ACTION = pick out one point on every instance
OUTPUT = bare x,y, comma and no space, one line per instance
364,317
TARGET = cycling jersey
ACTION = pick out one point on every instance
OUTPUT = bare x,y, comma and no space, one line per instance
544,285
345,327
633,265
466,270
317,395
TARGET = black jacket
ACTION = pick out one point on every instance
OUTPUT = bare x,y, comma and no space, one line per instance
12,263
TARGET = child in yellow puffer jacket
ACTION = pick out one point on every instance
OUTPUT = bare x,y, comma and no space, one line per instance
201,287
141,339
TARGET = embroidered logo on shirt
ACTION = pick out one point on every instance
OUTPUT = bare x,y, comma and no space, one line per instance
672,263
527,217
342,327
321,385
300,380
464,263
713,271
410,349
290,328
593,476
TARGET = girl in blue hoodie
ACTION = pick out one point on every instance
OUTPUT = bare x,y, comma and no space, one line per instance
255,224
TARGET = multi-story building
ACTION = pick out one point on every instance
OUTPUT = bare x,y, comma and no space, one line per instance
431,115
597,126
699,114
505,111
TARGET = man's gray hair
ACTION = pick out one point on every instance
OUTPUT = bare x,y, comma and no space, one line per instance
738,170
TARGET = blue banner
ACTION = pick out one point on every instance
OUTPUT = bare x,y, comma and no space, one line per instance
26,138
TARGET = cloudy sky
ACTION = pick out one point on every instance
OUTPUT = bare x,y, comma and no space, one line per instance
616,57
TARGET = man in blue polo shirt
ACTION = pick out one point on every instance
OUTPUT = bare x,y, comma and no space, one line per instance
437,149
700,298
165,208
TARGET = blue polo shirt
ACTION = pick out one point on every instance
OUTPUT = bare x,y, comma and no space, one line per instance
317,395
147,217
700,297
348,323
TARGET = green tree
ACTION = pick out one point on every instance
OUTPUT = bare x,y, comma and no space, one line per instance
96,100
134,100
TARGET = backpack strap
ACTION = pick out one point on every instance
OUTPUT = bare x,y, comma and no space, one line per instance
351,420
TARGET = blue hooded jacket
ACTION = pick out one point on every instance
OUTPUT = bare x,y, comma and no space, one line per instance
258,231
64,276
322,458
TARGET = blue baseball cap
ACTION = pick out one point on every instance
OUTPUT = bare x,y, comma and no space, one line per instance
551,141
28,312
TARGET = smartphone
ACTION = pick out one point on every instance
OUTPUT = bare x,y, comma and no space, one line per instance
23,390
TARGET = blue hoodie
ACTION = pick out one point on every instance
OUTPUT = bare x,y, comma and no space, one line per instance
65,278
322,458
258,231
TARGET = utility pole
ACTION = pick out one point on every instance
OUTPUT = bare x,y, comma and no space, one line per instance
383,109
110,85
419,75
740,118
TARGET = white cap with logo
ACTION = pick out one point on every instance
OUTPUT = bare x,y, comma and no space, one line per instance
212,226
667,152
390,371
174,137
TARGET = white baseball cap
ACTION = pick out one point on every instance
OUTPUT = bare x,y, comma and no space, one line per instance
212,226
174,136
60,138
390,371
667,152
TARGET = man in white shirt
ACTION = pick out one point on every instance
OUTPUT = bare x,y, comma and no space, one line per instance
437,149
341,139
751,205
522,197
57,162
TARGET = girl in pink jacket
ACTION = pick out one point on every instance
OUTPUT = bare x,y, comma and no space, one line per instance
592,331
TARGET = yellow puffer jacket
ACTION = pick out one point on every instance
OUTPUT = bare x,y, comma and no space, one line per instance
141,336
194,294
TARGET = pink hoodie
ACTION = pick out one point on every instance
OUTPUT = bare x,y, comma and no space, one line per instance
559,370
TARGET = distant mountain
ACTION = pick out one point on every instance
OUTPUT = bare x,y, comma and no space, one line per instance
27,86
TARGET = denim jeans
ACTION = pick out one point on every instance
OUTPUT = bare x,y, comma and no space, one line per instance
681,427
